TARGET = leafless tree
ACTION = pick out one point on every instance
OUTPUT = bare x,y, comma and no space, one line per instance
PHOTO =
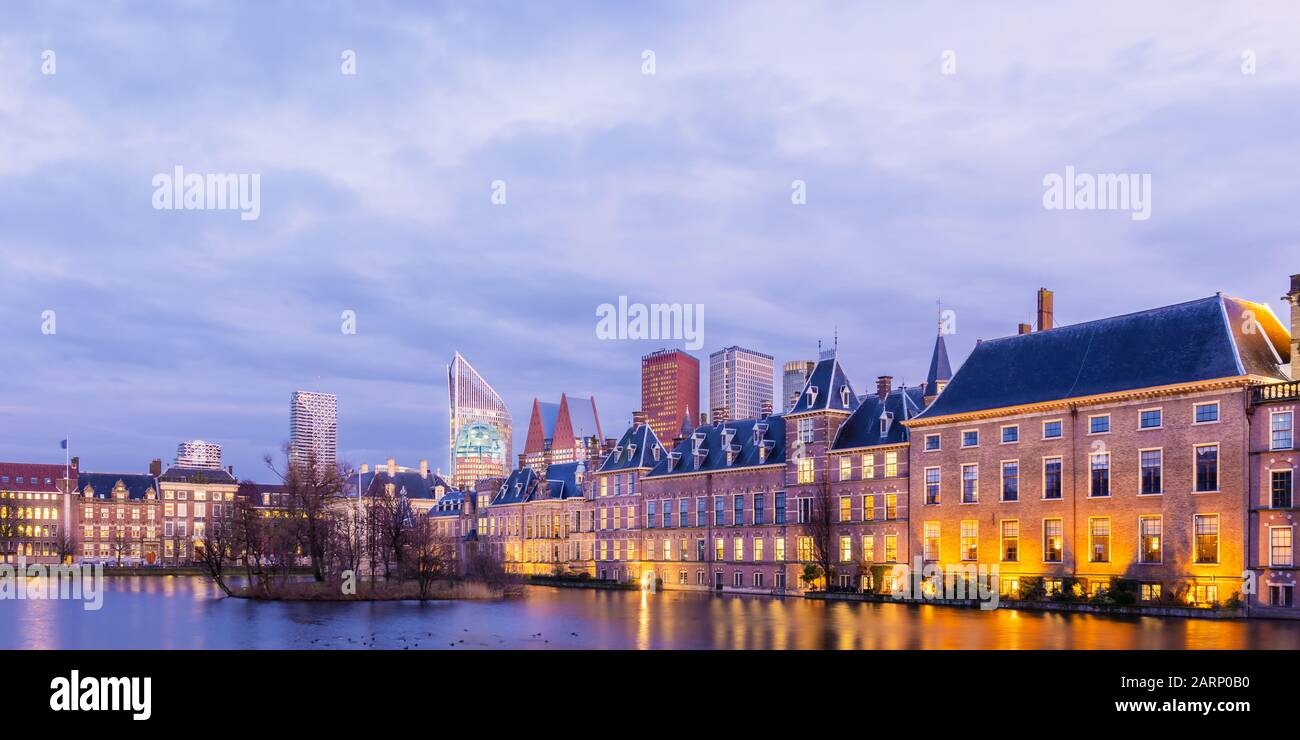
119,542
313,490
394,519
820,527
220,548
430,555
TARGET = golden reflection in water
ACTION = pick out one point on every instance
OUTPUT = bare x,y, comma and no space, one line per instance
643,623
39,625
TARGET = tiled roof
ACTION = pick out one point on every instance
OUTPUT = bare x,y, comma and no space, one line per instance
102,484
34,477
218,476
635,449
562,480
825,389
517,487
742,438
1205,339
863,428
940,369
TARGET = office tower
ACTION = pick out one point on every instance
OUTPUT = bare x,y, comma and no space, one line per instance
739,381
793,378
670,390
313,428
480,441
198,454
562,432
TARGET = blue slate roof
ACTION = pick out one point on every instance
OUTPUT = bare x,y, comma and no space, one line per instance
137,484
411,484
742,439
824,389
940,369
517,488
176,474
1187,342
635,449
863,428
449,504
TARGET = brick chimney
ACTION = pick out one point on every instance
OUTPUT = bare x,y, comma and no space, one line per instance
638,418
884,384
1294,299
1044,309
424,469
765,408
231,469
523,460
155,467
1024,329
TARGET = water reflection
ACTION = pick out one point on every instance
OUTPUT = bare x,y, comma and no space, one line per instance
189,612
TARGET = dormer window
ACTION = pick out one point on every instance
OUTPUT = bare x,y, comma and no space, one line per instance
759,430
654,452
631,451
812,395
844,396
886,419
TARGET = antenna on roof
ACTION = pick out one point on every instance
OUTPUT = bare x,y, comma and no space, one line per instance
938,303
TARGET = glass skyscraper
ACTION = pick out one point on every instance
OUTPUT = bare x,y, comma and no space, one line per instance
480,439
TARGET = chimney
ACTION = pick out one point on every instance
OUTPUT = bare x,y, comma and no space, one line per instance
721,414
1294,299
1024,329
765,408
155,467
75,463
424,469
884,384
231,469
365,468
523,460
1044,309
638,418
392,467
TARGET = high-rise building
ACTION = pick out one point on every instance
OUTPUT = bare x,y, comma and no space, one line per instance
739,381
198,454
313,428
481,434
670,390
793,378
562,432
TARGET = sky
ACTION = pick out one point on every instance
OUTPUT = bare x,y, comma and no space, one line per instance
922,134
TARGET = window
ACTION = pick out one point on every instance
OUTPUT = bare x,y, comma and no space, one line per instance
737,548
668,549
846,468
1152,478
699,548
806,430
846,548
1010,434
1051,477
932,485
868,466
931,442
1205,594
891,464
758,549
683,513
970,540
737,578
778,548
719,511
758,579
1281,487
846,509
760,516
701,512
738,511
1099,474
1205,413
891,548
1099,424
868,508
805,545
1150,419
1052,429
1279,547
719,549
668,514
891,505
1281,595
1010,540
805,510
805,470
930,544
970,476
970,438
1280,428
650,514
1011,480
1207,468
778,513
1206,529
1099,539
1149,531
1150,592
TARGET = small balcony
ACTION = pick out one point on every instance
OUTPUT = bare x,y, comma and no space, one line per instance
1275,392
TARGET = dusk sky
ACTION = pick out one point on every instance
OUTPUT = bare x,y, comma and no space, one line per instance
670,187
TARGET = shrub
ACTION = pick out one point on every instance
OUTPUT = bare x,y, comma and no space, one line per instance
1032,589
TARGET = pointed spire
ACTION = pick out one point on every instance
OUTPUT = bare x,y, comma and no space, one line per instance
686,427
940,370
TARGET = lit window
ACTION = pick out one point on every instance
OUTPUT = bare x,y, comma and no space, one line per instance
1149,544
1279,547
846,468
1206,529
891,548
1099,539
846,548
1053,540
930,544
970,540
806,470
1010,540
846,509
891,464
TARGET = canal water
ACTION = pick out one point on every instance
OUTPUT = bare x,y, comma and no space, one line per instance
188,612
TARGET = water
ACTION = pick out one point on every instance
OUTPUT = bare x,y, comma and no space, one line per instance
189,613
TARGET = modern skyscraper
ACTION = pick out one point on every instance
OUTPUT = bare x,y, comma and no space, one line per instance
670,390
793,378
481,434
198,454
562,432
739,381
313,428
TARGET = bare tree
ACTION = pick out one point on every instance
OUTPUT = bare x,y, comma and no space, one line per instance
395,519
820,527
430,555
313,489
119,542
219,548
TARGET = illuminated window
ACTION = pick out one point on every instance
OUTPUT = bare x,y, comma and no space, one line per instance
758,549
846,509
1206,529
970,540
846,548
1010,540
738,548
868,466
1099,539
930,543
1150,592
891,548
846,468
1204,594
1053,540
891,505
719,549
778,548
1279,547
868,508
668,549
1149,535
805,545
868,548
805,471
891,464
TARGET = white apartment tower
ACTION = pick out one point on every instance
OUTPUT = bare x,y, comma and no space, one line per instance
313,427
198,454
740,381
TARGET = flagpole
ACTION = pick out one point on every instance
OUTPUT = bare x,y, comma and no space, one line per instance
67,490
